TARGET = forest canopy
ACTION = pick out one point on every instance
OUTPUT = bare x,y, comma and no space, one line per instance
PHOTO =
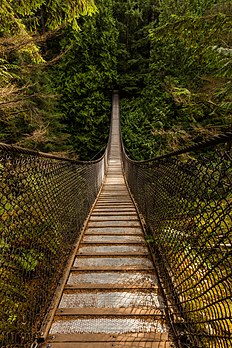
60,60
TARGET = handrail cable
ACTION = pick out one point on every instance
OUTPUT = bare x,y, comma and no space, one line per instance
211,141
186,204
44,202
26,151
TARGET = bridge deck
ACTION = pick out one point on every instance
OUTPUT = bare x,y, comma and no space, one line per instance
111,297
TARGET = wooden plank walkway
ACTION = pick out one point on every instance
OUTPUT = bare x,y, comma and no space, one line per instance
111,297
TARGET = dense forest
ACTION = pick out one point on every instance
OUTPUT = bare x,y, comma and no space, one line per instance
60,61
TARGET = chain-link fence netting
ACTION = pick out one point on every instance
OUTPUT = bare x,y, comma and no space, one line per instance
44,202
186,202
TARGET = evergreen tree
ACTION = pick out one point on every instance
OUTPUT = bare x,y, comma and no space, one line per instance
85,78
28,101
186,94
170,59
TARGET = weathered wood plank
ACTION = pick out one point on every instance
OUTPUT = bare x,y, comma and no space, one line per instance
131,337
91,311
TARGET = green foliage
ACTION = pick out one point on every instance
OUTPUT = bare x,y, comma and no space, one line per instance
28,100
170,10
186,91
22,222
170,59
134,19
53,14
85,77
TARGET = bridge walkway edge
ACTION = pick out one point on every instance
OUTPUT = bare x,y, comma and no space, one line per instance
111,297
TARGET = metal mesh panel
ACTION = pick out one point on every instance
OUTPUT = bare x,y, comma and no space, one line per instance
186,203
109,325
43,204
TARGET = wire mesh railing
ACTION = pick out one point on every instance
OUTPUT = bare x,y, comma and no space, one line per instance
44,201
185,199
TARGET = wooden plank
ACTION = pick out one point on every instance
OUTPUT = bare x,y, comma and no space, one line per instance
110,205
118,182
114,230
126,253
113,217
109,189
114,238
111,209
114,345
116,208
114,224
106,233
116,234
94,311
130,344
117,213
114,201
118,255
112,268
116,198
120,204
102,337
118,286
114,194
112,242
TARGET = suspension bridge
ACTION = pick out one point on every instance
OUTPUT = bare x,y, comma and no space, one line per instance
115,252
